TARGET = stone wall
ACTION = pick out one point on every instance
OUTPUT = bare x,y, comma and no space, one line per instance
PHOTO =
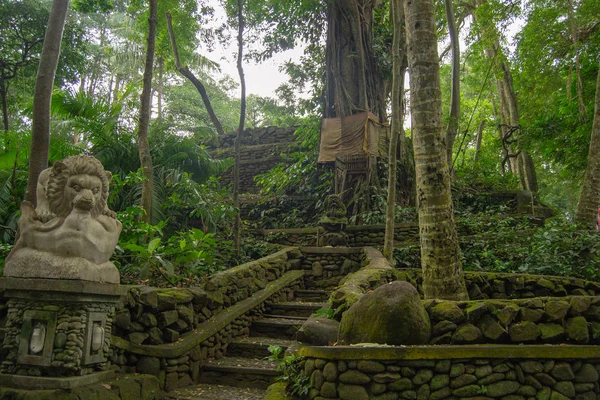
358,236
540,320
260,151
465,372
154,316
326,266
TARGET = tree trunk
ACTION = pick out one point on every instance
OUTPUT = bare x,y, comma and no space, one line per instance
589,199
479,139
192,78
452,129
521,163
3,98
353,81
159,88
145,110
40,130
398,72
440,251
237,225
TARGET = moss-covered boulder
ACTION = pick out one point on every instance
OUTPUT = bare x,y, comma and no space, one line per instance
318,331
391,314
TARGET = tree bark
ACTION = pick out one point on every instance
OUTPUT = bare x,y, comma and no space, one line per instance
353,81
145,110
440,251
479,139
159,88
192,78
40,131
237,225
589,199
396,129
3,98
452,129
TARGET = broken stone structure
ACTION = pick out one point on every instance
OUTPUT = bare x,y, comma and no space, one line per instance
334,222
62,289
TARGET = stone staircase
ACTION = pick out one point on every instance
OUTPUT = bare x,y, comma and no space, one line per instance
245,364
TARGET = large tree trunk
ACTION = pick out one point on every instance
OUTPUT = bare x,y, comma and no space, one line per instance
396,130
145,110
352,79
192,78
452,129
159,89
237,225
575,41
589,200
40,132
440,251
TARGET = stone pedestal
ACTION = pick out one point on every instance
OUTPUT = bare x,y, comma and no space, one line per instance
56,327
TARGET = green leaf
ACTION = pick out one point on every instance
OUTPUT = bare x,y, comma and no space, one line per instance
153,245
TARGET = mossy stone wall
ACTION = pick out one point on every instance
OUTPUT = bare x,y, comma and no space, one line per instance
480,378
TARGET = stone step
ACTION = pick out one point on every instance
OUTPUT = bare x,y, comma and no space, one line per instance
256,347
296,308
239,372
282,328
277,316
311,295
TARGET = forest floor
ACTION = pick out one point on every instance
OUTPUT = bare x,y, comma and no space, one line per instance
206,391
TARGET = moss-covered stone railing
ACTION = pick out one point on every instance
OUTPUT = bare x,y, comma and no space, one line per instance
155,316
375,272
178,364
556,372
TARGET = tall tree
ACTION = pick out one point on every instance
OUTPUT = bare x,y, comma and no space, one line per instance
397,129
237,225
145,110
589,200
440,252
40,135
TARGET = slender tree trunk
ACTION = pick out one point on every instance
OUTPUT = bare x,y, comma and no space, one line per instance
159,88
452,129
3,98
237,226
398,72
479,139
145,110
192,78
440,251
589,199
40,131
523,164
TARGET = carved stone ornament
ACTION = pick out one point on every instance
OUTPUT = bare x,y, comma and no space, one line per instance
71,234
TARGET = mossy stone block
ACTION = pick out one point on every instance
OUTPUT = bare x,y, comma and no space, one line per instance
551,333
401,385
577,330
354,377
502,388
556,310
447,311
525,332
466,333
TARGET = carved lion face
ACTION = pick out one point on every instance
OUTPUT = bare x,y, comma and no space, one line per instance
78,181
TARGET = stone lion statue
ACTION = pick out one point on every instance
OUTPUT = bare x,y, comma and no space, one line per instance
71,234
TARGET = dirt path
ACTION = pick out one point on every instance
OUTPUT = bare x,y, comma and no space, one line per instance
216,392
